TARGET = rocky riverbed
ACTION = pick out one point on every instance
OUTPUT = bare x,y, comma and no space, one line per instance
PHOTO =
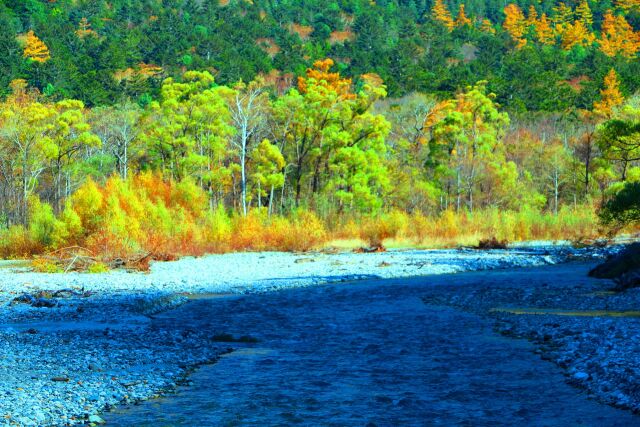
76,344
574,321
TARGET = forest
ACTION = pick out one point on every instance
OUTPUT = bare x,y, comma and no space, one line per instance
183,127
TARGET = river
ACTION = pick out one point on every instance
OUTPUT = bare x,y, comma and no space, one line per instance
364,354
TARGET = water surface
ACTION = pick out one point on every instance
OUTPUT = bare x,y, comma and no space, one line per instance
361,354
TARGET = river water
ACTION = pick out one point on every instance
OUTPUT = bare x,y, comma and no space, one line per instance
364,354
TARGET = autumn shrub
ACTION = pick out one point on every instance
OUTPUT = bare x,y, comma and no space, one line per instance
218,229
376,229
97,268
44,227
17,242
41,265
301,230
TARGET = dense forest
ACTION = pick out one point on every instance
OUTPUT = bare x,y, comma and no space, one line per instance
194,125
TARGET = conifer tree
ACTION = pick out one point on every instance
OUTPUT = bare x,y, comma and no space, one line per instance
441,13
610,95
544,33
618,37
35,49
584,14
461,19
515,24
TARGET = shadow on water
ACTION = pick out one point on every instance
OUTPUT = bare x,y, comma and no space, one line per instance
363,354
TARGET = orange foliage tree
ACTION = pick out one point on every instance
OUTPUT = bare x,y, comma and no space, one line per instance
610,95
441,13
515,24
618,37
462,19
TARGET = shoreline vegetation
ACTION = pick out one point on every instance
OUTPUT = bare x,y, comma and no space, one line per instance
209,169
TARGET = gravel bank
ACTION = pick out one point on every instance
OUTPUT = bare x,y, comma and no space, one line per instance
98,345
574,321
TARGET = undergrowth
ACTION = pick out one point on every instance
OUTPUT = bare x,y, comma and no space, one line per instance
147,218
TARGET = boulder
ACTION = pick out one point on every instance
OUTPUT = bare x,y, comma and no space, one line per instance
615,267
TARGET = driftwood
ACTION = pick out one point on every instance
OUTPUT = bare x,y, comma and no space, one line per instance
77,258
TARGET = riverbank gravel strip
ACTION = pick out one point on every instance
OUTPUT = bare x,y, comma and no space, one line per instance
62,365
575,321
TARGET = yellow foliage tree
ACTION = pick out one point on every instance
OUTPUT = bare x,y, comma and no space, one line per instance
618,37
515,24
35,49
532,16
610,95
583,11
487,27
576,34
544,33
441,13
562,15
628,5
462,19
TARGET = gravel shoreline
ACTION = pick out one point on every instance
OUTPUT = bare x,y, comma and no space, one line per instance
98,345
574,321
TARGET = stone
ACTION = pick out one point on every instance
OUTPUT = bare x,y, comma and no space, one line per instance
95,419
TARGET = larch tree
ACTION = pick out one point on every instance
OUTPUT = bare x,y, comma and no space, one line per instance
618,37
610,95
515,24
562,15
576,34
584,14
487,27
84,29
441,13
35,49
627,5
544,32
462,20
532,16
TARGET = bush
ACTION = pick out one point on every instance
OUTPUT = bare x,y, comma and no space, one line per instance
42,265
98,267
624,208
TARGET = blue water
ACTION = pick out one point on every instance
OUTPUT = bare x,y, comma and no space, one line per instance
368,354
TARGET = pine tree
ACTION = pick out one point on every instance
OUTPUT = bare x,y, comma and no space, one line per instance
610,95
441,13
35,49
